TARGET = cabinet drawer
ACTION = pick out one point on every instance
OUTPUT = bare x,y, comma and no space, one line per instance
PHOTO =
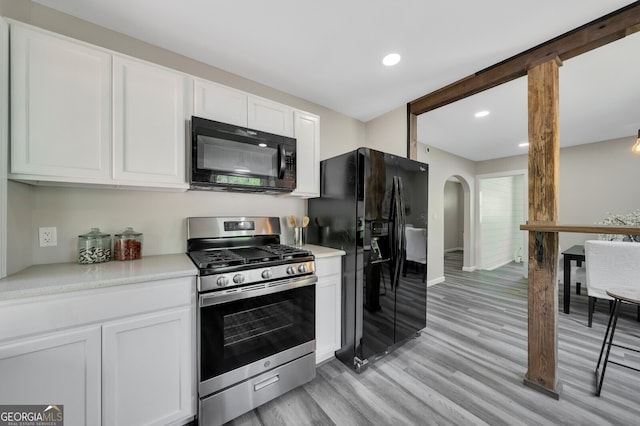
43,314
328,266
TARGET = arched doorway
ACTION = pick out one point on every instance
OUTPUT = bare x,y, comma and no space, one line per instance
457,223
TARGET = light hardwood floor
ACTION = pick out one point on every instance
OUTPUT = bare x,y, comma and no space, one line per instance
468,365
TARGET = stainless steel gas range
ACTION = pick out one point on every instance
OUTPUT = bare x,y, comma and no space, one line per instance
256,314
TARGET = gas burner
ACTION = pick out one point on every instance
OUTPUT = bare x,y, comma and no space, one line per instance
284,251
255,255
216,258
245,251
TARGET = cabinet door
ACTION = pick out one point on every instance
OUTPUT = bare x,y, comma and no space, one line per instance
4,134
270,116
61,368
220,103
328,307
307,134
147,369
150,122
60,106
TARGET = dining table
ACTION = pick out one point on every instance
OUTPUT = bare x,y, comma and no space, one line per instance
573,254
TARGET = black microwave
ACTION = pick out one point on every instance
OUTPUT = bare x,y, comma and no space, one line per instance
232,158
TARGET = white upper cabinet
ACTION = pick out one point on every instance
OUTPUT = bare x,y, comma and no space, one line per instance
307,134
220,103
83,115
270,116
68,96
60,107
150,113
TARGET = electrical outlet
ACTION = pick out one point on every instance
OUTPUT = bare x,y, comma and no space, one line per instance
48,236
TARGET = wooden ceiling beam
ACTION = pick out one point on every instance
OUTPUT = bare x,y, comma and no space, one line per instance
597,33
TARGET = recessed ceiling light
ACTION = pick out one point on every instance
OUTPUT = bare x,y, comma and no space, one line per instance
482,113
523,144
391,59
262,144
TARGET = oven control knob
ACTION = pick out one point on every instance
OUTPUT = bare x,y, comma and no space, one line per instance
238,278
222,281
291,270
266,274
302,268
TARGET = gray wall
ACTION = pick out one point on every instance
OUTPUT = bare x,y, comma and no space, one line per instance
453,216
442,166
388,133
595,179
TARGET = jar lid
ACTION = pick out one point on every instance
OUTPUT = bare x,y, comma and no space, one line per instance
129,233
94,234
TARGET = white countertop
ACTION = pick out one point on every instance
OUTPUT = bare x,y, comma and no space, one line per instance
54,278
319,252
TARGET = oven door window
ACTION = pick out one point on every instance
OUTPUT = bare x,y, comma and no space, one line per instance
240,332
237,157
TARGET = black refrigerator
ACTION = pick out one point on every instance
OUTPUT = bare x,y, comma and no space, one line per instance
367,199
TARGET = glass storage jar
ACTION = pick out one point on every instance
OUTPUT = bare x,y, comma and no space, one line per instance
94,247
127,245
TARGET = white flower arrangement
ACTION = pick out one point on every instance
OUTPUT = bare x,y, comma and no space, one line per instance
629,219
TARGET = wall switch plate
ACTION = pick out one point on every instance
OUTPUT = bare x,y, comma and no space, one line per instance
48,236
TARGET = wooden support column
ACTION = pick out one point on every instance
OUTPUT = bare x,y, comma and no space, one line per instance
544,155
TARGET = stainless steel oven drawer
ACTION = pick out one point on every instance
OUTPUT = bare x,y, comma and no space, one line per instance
230,403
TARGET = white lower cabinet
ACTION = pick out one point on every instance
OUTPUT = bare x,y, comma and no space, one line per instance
122,355
61,368
145,363
328,307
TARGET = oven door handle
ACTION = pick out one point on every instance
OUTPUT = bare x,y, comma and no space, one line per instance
238,293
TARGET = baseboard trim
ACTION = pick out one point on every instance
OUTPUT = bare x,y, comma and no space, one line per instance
435,281
468,268
454,249
496,265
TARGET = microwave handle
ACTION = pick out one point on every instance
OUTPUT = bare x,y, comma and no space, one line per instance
282,161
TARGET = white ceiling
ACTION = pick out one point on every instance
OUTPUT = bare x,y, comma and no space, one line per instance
329,52
599,100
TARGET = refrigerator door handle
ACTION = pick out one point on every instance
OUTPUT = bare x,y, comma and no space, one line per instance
398,229
393,233
402,221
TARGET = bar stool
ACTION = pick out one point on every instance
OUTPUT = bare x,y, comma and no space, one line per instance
619,295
